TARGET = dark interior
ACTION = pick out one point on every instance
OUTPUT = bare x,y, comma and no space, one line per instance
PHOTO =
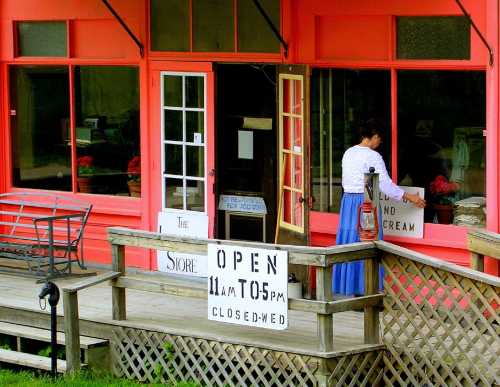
247,90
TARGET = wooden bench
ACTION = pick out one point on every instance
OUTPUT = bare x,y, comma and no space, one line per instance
95,351
482,243
43,230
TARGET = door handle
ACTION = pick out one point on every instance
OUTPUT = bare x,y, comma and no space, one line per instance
302,200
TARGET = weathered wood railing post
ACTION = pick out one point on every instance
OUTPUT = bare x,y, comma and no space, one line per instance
482,243
371,313
325,321
71,331
118,294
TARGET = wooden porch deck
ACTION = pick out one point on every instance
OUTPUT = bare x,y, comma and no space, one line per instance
175,315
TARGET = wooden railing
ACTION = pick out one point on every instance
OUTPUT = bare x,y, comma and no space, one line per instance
482,243
439,323
321,258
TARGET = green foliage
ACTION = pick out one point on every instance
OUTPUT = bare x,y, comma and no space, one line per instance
47,352
5,343
10,378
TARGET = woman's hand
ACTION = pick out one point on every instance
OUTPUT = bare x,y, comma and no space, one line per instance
416,200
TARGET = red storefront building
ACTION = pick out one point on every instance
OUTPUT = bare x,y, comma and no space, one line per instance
206,100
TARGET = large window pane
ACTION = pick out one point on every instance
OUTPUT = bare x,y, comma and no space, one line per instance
172,89
107,127
42,38
174,193
169,25
40,127
173,125
433,37
254,34
340,100
195,162
441,118
213,25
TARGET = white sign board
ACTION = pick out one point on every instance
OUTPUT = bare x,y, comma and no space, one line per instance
189,224
251,204
248,286
245,144
183,224
402,218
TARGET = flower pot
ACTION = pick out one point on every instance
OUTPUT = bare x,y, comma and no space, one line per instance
84,184
134,187
444,213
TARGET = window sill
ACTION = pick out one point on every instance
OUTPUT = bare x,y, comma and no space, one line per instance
101,204
441,235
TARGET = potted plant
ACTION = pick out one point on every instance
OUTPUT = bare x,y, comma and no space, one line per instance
86,170
443,192
134,176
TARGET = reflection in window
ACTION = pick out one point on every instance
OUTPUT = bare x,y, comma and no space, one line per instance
169,25
107,129
441,118
40,127
254,34
213,25
210,26
339,100
433,37
41,38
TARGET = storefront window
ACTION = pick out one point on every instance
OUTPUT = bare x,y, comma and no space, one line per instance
184,141
210,26
213,25
39,119
254,34
169,25
441,147
106,130
42,38
107,127
433,37
340,99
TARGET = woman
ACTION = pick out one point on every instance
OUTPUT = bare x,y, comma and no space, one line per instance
348,278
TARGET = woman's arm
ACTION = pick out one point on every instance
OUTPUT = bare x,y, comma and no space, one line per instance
392,190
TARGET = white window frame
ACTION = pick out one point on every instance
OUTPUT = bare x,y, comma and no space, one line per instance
183,143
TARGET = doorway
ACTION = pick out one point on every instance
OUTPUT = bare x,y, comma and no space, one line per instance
246,151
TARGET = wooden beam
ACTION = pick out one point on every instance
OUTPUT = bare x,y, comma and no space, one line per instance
118,297
477,261
371,317
161,287
92,281
72,331
485,243
348,304
299,255
324,321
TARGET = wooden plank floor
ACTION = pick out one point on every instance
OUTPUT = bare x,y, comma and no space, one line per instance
187,316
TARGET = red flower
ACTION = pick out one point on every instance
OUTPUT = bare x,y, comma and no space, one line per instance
134,168
85,161
441,186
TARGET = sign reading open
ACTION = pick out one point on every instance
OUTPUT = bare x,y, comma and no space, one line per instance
248,286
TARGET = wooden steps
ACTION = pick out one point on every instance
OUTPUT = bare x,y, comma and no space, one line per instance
29,360
95,351
44,335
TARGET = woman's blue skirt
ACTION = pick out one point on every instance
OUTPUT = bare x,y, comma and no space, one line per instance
349,278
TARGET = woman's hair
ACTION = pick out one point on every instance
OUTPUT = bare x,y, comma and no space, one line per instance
370,128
